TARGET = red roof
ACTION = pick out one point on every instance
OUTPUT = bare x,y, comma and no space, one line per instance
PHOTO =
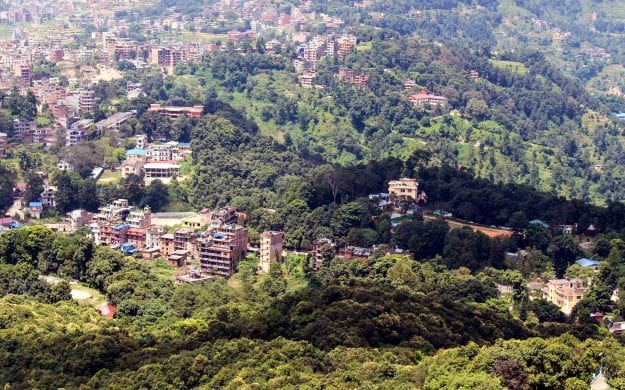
107,310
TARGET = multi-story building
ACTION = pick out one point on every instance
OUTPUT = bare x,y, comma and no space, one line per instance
77,131
114,121
167,245
318,249
160,170
174,112
307,79
4,141
153,236
270,249
86,101
78,219
140,218
224,216
404,188
424,98
221,249
25,75
22,129
184,239
167,57
48,196
141,141
566,293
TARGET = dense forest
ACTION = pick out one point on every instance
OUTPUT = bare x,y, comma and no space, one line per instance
378,322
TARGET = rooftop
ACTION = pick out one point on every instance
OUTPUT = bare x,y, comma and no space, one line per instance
136,152
584,262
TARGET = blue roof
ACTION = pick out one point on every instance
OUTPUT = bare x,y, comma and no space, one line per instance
35,204
539,222
584,262
219,235
136,152
120,226
128,244
620,115
184,144
15,225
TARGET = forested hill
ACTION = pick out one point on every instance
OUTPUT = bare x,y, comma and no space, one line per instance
540,111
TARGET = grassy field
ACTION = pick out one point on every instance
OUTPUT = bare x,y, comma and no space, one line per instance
110,177
160,268
364,46
96,297
514,66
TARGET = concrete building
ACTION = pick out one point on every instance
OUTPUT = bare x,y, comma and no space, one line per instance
319,247
114,121
166,57
221,249
4,142
25,75
174,112
141,141
78,219
424,98
565,293
22,129
140,218
35,209
161,170
48,196
404,188
86,101
131,168
270,249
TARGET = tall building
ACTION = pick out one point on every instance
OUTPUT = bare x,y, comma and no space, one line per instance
3,143
25,75
221,250
166,57
270,249
86,101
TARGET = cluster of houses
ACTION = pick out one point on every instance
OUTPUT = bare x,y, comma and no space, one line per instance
214,240
154,160
564,293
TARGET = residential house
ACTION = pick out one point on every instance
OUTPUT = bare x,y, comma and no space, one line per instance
131,168
565,293
48,196
617,328
221,249
78,218
114,122
3,143
404,188
424,99
174,112
35,209
318,250
167,245
588,263
160,170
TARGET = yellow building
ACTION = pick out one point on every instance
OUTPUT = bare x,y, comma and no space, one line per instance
404,188
566,293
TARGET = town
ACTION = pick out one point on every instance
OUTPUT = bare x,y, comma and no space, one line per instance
312,194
